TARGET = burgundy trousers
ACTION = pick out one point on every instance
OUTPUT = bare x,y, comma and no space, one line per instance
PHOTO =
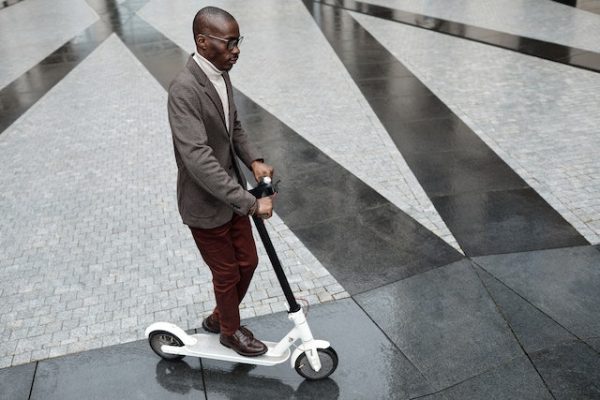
230,252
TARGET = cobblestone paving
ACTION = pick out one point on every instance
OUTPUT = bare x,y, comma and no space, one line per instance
93,249
540,19
311,92
33,30
540,117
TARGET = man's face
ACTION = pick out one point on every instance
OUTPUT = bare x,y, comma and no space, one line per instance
215,50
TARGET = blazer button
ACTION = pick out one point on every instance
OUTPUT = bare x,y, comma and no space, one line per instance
230,167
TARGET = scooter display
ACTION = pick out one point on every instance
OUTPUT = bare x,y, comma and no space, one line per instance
313,359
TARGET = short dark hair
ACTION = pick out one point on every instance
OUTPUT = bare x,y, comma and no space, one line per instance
205,16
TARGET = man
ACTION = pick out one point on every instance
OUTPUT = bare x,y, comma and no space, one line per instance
211,195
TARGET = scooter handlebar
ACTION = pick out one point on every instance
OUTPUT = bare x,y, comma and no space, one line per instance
264,188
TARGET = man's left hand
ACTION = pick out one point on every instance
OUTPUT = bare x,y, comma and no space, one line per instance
260,170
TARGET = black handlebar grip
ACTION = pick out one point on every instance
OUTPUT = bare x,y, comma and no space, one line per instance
264,188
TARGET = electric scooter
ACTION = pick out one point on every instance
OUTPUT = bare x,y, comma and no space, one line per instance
313,359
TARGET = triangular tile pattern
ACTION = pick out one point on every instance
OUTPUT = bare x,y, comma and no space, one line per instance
93,245
539,19
311,92
515,379
571,370
534,329
445,323
562,283
33,30
539,116
551,307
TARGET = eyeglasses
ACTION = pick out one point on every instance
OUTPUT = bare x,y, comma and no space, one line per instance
231,43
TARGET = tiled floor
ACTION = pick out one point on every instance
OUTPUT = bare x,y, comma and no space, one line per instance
539,19
438,206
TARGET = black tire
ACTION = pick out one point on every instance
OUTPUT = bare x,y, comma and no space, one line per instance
159,338
329,362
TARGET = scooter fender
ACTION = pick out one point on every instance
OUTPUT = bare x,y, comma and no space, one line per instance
317,344
171,328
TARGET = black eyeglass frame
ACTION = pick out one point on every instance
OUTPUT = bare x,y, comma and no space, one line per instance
231,43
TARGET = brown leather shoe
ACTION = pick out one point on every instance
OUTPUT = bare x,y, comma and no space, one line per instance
243,344
212,325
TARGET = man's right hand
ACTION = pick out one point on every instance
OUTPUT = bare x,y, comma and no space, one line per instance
264,207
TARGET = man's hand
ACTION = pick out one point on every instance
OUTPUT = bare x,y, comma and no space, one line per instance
260,170
264,207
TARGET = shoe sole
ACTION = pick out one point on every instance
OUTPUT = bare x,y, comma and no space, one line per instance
206,328
244,354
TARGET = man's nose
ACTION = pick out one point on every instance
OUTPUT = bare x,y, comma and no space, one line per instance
235,50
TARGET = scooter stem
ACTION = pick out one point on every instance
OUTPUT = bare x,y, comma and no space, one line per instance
263,189
285,286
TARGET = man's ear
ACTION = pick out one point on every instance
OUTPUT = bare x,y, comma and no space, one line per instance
201,42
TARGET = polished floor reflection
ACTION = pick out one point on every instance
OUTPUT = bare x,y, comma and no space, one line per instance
462,272
569,55
469,184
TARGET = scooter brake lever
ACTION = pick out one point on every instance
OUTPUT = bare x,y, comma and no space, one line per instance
276,186
264,188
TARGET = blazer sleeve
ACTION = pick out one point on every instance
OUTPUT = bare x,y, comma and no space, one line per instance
244,148
191,141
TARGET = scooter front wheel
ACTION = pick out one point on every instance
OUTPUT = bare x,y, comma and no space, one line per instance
158,339
329,362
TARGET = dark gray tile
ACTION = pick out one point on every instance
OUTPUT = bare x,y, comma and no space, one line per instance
462,171
445,323
466,182
313,187
505,222
594,342
129,371
375,247
284,149
398,110
315,196
534,47
152,48
396,87
586,60
563,283
12,100
360,71
15,382
534,329
437,135
370,366
538,48
517,379
290,158
571,370
245,106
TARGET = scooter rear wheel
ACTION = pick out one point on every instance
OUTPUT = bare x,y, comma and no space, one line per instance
329,362
158,339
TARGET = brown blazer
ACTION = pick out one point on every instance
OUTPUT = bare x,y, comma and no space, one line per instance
210,186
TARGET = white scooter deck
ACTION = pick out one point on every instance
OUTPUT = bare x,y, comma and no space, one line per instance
208,346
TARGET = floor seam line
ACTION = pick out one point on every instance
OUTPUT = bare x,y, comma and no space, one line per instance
469,378
390,340
408,277
499,311
203,377
528,302
33,379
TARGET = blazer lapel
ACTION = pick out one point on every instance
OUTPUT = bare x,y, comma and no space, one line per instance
230,99
209,89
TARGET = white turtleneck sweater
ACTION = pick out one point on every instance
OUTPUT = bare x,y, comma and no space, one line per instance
215,76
